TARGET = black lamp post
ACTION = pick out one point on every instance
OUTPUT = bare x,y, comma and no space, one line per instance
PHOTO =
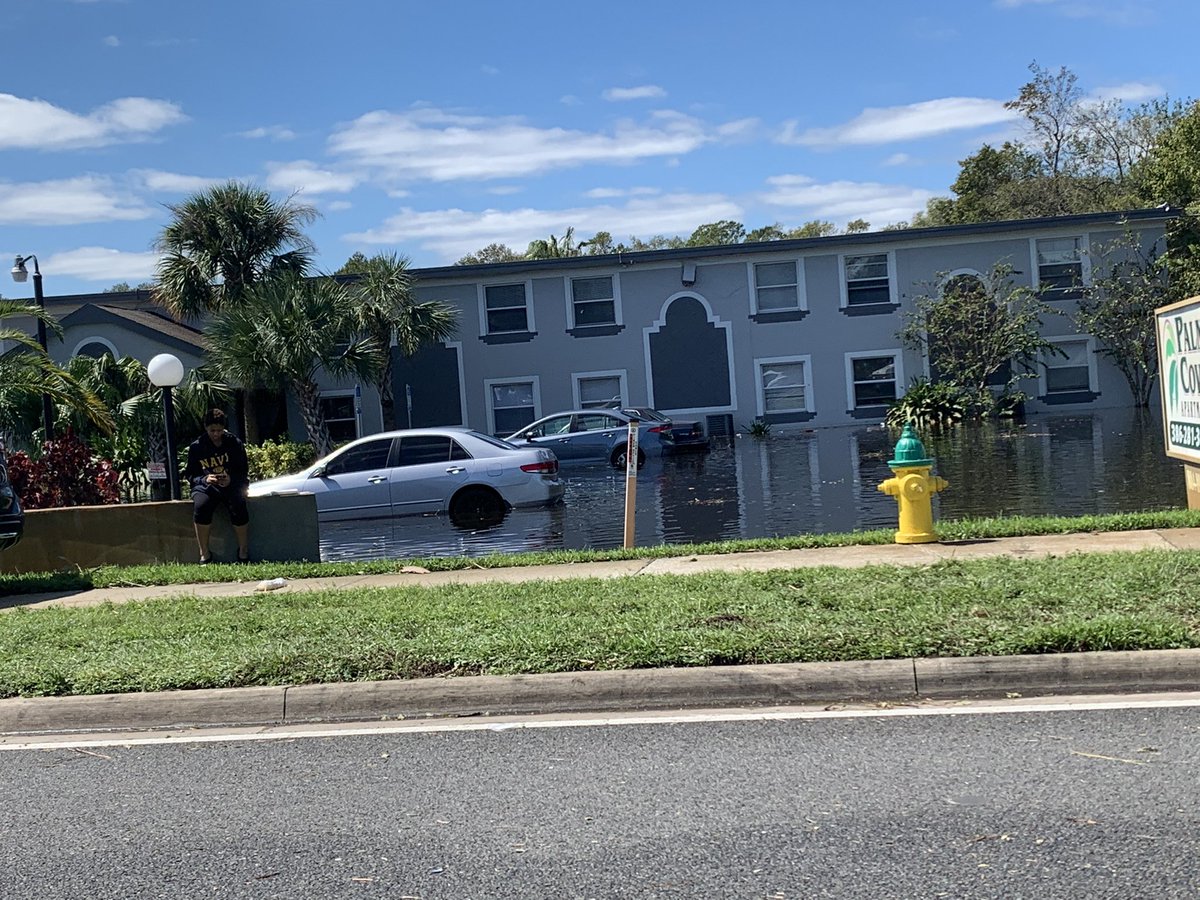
19,274
166,371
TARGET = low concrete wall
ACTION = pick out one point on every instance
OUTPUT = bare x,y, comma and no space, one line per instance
281,528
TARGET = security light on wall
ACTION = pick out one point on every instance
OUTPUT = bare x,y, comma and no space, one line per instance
689,274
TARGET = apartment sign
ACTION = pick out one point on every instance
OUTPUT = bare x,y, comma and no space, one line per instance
1178,330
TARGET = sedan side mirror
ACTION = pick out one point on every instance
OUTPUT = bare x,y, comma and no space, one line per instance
318,472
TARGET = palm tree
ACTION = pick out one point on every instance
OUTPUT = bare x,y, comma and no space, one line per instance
553,247
387,309
287,330
27,373
224,241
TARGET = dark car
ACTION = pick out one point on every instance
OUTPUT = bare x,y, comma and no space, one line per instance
12,518
686,436
590,435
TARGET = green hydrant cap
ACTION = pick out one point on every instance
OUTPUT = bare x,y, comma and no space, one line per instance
910,452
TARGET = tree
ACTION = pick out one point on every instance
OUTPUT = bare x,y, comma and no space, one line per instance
387,308
766,233
220,245
814,229
122,286
492,253
726,231
857,226
979,334
1128,283
27,373
357,264
658,242
600,244
553,247
288,329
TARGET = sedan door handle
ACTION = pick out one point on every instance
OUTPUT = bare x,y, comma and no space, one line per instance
377,479
455,470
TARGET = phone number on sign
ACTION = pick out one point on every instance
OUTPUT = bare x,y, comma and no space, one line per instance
1185,435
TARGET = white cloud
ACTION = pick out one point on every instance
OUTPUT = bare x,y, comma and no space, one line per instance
38,125
172,183
71,201
898,159
901,123
1129,92
112,41
339,205
879,204
103,264
1123,13
504,190
603,193
274,132
430,144
302,175
453,233
643,92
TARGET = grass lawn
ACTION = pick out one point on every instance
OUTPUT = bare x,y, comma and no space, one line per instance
1117,601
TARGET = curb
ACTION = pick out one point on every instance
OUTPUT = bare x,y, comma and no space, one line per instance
632,689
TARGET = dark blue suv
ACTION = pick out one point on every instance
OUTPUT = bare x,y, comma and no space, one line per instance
12,518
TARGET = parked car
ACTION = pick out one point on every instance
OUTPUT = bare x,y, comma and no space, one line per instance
687,436
474,477
12,517
579,435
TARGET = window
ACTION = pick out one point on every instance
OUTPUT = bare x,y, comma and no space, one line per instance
777,287
340,420
600,389
873,378
597,422
430,448
506,307
552,426
868,279
1060,267
1070,373
361,458
512,403
783,385
593,301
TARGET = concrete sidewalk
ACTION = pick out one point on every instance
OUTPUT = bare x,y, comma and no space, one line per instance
1036,547
893,681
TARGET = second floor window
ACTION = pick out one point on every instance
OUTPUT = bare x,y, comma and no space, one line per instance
776,287
593,301
1060,267
507,308
867,280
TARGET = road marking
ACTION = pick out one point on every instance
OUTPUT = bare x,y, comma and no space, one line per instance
516,723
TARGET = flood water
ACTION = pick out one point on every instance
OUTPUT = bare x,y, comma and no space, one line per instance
817,481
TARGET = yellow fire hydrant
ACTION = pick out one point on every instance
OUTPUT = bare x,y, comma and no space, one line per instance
913,487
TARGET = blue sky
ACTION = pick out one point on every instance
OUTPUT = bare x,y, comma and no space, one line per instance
433,129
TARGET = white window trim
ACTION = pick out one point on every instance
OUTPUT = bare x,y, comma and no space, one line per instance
893,352
535,380
843,287
801,291
1093,377
96,340
333,394
620,374
618,314
760,393
1085,259
530,325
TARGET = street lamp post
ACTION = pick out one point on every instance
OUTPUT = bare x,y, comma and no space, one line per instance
19,274
166,371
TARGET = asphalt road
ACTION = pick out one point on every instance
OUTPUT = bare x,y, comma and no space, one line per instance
1094,804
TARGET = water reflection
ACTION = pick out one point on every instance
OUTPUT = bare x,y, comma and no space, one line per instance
816,481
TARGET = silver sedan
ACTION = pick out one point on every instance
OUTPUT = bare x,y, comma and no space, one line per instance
472,476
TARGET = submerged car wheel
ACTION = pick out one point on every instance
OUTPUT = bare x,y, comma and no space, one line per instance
618,457
477,507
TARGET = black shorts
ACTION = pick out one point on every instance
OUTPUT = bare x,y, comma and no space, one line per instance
205,501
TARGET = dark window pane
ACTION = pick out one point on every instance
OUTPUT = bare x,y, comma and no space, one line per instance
1067,378
341,432
501,296
771,274
500,321
595,313
457,451
874,290
337,407
874,393
371,455
510,420
777,298
592,289
597,422
874,368
874,266
426,448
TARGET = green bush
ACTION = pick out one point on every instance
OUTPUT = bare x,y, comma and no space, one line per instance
280,457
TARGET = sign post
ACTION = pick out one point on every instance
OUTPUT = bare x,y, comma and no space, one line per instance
631,468
1178,329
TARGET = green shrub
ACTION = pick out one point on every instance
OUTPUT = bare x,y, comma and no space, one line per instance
280,457
758,428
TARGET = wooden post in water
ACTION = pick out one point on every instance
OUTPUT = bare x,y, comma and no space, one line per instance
631,468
